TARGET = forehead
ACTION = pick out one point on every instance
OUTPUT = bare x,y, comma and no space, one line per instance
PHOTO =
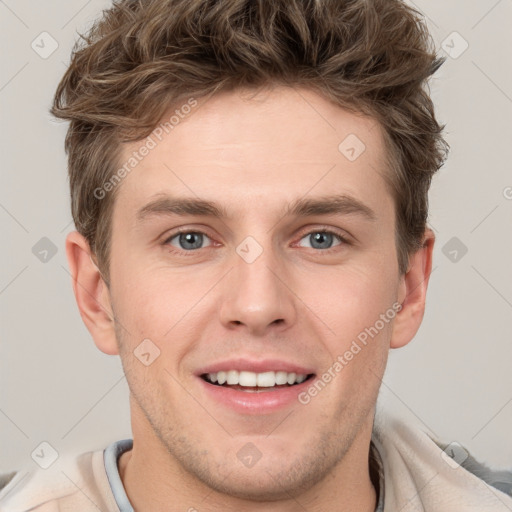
247,148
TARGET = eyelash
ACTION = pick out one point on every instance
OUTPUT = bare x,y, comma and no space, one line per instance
329,231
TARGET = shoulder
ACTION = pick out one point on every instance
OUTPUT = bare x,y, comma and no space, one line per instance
500,479
439,475
74,482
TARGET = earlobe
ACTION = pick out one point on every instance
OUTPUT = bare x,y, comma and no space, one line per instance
91,293
412,293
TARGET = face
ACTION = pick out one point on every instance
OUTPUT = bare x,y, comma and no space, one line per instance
274,282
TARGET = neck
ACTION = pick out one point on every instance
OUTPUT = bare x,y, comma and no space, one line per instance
153,479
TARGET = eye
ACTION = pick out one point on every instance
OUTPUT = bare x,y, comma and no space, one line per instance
187,240
323,239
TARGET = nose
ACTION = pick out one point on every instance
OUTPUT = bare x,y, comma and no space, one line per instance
257,295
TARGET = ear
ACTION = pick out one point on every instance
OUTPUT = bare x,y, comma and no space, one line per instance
91,293
412,293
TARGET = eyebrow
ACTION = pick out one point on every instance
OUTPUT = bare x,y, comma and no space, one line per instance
326,205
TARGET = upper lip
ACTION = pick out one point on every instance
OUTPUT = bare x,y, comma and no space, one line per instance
256,366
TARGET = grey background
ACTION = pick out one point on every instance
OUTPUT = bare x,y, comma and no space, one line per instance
454,379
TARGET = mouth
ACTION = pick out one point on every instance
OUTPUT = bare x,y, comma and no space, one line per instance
252,382
254,386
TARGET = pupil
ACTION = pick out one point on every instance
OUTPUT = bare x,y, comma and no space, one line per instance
188,238
319,237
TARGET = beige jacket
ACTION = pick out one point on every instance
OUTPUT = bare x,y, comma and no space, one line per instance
417,475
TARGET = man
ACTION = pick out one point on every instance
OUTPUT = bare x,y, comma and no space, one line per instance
249,183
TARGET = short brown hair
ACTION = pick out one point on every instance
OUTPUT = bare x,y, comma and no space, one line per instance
369,56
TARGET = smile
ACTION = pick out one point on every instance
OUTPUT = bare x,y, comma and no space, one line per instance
253,381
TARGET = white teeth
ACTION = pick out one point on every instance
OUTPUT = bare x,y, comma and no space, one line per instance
232,377
251,379
281,378
247,379
266,380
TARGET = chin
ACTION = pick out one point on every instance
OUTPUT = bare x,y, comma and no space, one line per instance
263,483
272,472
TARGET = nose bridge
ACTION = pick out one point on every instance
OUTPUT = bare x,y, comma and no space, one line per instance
256,294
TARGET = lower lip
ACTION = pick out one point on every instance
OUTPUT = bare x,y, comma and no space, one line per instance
260,402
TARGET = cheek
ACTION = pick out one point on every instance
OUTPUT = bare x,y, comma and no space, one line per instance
352,300
360,316
161,306
363,323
